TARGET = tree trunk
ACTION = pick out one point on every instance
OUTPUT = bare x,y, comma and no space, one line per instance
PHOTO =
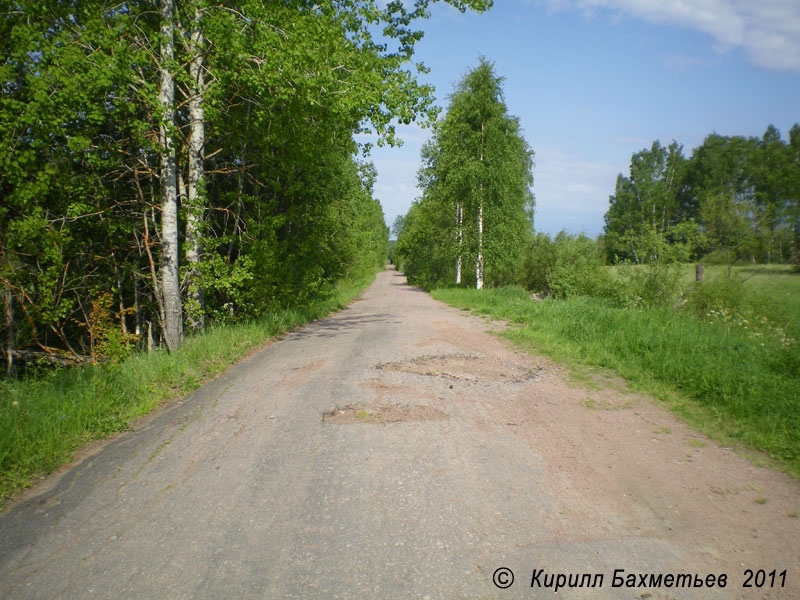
8,300
479,262
137,301
170,277
121,297
698,273
153,276
460,234
195,309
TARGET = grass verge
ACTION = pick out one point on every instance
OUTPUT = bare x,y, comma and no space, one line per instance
719,377
43,421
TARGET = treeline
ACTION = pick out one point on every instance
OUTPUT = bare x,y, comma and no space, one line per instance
476,209
734,199
738,197
173,163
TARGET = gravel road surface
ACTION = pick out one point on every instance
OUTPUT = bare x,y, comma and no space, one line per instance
398,449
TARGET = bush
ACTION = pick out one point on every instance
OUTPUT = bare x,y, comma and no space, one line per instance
565,266
720,293
538,257
653,284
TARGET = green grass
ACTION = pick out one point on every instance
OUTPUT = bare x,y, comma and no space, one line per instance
723,378
43,421
773,289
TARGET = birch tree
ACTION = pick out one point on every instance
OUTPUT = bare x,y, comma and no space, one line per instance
195,309
170,274
646,203
478,170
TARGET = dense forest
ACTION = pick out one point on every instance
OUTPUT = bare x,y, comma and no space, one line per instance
169,164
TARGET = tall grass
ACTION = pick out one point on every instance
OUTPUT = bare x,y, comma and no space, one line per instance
733,378
772,290
43,421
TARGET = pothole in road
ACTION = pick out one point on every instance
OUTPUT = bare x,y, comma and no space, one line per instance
465,367
382,414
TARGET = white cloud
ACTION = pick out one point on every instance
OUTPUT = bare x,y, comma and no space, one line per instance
767,30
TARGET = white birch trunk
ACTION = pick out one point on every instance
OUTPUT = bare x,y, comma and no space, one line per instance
195,309
479,262
460,234
170,277
137,302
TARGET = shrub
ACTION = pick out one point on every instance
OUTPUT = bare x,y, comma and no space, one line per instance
720,293
652,284
538,257
565,266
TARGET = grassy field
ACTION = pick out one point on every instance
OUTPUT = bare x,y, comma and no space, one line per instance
774,288
768,290
43,421
733,377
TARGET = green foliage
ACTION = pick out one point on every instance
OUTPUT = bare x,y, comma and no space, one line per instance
743,194
715,257
425,252
715,296
653,284
565,266
285,207
646,203
476,203
108,341
727,223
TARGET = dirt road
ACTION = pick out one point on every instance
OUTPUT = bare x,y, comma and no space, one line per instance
398,450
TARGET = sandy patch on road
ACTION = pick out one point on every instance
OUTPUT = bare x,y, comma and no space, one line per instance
466,367
383,414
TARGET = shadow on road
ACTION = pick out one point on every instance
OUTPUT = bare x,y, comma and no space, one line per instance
403,283
411,288
340,323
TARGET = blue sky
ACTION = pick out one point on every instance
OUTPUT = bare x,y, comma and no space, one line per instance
593,81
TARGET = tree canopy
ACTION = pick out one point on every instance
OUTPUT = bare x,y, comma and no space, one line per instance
477,206
212,140
736,195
